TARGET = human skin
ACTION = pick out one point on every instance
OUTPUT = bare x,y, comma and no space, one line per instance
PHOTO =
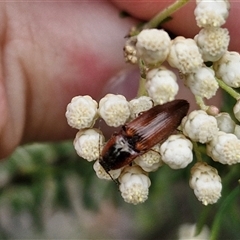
53,51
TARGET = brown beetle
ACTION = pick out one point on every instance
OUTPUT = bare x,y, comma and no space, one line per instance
141,134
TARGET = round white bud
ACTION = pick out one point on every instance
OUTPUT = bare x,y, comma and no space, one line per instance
81,112
161,85
130,52
134,185
184,55
211,13
202,82
225,122
213,43
237,131
151,160
114,109
224,148
236,110
153,46
213,110
139,105
176,151
102,174
206,183
88,144
227,68
199,126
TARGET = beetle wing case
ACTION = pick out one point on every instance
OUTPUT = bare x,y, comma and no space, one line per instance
157,124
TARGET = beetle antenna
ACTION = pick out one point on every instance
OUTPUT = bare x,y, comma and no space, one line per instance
114,180
106,169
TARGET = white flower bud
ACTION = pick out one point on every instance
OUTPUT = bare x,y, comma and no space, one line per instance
213,43
114,109
81,112
130,52
206,183
227,68
199,126
202,82
184,55
102,174
237,131
161,85
213,110
151,160
153,46
225,122
236,110
134,184
176,151
139,105
224,148
189,231
88,144
211,13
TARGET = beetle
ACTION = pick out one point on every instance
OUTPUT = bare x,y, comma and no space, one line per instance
141,134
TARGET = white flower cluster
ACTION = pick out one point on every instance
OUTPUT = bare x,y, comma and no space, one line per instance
151,160
161,85
227,68
176,151
224,148
199,126
216,131
221,145
88,143
185,55
225,122
211,13
212,42
116,111
154,47
81,112
202,82
189,56
138,105
130,52
134,185
206,183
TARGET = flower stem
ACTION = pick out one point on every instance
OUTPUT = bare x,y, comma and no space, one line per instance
159,18
197,151
168,11
142,81
228,89
201,103
141,88
202,219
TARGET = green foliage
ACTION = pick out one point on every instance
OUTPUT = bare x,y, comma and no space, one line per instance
39,176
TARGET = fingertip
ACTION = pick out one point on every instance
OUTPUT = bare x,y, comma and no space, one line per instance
124,82
183,21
